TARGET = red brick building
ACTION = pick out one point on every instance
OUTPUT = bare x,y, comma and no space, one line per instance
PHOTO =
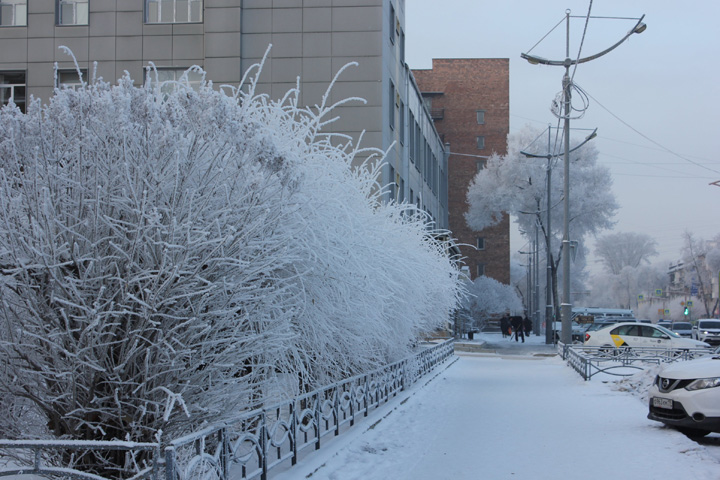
469,100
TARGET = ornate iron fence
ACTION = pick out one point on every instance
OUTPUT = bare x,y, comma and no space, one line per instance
589,361
254,443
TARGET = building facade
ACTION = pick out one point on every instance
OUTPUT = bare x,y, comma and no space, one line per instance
469,101
311,41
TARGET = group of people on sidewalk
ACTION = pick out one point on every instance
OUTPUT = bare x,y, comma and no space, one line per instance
515,325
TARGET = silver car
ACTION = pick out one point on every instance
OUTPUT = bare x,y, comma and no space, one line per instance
684,329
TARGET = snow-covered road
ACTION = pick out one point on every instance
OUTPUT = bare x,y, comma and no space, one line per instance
510,416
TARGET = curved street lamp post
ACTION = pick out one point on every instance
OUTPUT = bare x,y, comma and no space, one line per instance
566,305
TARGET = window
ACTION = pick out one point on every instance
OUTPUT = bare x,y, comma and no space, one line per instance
652,332
411,139
12,88
480,243
629,330
480,142
392,24
13,13
481,117
391,103
480,164
401,133
391,184
70,78
71,12
173,11
170,75
480,269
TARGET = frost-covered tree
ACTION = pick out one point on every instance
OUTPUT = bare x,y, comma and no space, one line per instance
488,298
624,249
169,256
517,185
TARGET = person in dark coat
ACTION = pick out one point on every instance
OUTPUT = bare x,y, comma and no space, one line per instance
517,326
504,326
527,324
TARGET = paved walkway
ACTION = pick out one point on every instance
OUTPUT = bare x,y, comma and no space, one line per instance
510,411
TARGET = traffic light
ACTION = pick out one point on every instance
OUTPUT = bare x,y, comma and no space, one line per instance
687,311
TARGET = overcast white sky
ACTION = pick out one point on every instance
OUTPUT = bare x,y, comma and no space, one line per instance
663,83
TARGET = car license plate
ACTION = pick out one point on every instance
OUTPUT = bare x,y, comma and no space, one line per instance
662,403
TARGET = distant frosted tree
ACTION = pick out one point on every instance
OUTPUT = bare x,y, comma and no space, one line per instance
488,298
169,256
517,185
624,249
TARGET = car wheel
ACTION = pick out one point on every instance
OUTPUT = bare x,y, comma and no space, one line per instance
693,432
607,350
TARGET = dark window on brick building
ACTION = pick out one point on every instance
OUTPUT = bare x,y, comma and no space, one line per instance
481,117
480,243
480,142
480,269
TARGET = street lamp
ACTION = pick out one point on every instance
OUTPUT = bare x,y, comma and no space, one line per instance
549,310
566,305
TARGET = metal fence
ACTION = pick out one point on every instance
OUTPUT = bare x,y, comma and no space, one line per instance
589,361
250,445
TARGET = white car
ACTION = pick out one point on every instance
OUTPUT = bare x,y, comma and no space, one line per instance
707,330
686,395
638,334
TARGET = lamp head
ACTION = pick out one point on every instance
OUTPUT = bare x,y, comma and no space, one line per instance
639,28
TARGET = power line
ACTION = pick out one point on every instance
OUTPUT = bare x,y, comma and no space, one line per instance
650,139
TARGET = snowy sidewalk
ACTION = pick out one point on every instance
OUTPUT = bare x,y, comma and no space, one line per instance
510,416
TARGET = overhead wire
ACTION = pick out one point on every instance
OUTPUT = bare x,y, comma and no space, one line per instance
663,147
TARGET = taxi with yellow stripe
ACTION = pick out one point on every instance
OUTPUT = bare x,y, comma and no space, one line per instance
635,334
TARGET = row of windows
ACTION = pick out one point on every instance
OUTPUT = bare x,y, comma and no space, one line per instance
13,84
13,13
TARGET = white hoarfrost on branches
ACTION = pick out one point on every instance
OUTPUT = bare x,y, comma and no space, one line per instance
487,298
517,185
169,257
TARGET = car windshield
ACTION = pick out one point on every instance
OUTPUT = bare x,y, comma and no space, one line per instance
709,324
682,326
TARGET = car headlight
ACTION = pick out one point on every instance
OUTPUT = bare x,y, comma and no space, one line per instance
702,383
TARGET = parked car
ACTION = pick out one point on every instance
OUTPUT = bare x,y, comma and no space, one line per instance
684,329
686,395
636,334
707,330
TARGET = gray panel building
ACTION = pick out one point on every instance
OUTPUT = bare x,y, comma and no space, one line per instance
311,41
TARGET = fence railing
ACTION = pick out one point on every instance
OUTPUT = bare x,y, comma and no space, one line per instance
254,443
589,361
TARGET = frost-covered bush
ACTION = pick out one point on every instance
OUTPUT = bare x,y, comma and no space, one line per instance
168,257
489,298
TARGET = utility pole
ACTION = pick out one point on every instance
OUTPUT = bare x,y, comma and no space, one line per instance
566,303
549,307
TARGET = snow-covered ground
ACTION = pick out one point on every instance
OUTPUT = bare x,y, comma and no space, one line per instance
513,412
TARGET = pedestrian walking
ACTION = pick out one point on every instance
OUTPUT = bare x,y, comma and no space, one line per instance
504,326
527,325
517,326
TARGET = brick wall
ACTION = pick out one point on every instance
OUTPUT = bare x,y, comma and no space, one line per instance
459,88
